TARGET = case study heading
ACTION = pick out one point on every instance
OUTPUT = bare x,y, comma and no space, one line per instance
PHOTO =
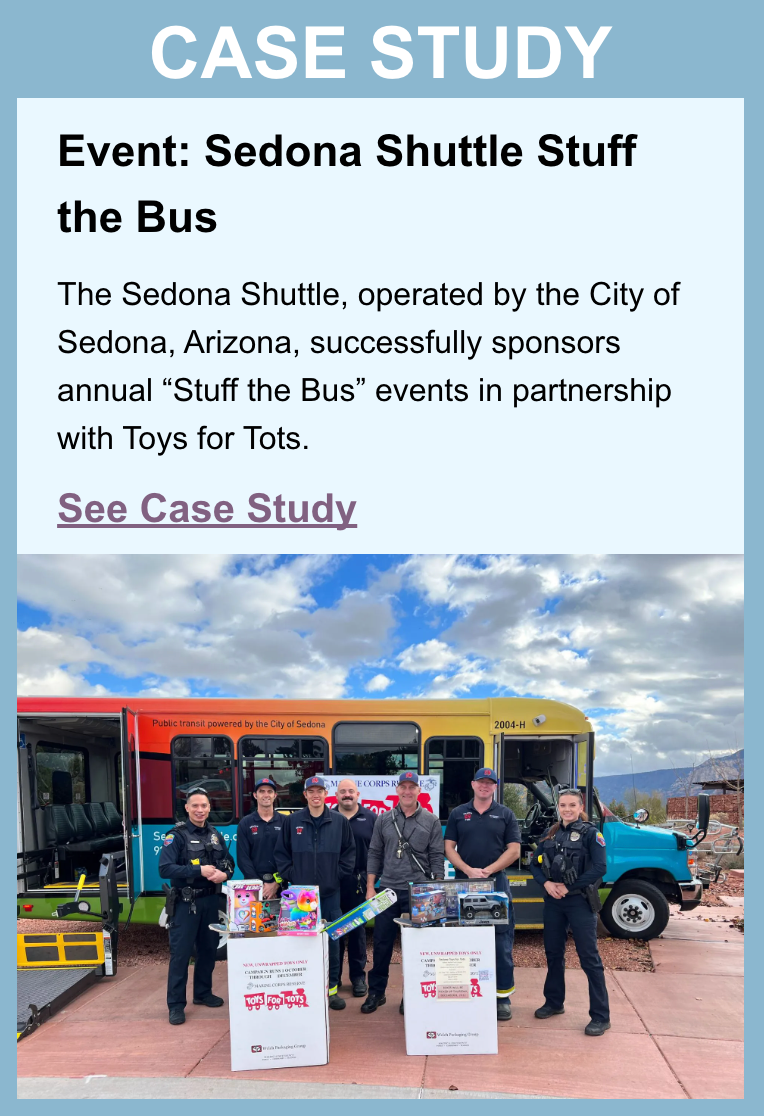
396,62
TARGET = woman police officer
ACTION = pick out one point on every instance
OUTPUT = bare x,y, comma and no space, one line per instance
569,863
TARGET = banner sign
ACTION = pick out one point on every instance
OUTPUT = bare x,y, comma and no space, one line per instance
379,793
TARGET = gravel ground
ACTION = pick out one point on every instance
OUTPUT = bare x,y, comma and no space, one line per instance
147,945
733,885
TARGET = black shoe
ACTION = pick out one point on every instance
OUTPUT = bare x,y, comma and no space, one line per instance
547,1010
400,1009
503,1009
597,1027
372,1002
360,987
210,1000
336,1003
177,1016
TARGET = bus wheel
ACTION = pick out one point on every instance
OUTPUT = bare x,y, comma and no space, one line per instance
636,909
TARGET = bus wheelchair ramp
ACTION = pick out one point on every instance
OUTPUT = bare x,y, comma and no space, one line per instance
40,993
52,969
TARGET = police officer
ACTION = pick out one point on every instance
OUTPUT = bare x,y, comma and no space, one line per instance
316,849
482,839
256,838
569,864
353,888
196,861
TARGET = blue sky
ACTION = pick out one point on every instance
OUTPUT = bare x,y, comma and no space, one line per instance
649,646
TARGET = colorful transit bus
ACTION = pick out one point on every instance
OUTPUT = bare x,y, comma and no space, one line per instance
110,774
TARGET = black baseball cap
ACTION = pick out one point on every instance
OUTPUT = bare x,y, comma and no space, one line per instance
266,781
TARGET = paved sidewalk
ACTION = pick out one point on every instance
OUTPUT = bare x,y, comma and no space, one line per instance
676,1034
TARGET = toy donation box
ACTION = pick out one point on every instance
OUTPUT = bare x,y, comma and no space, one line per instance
449,989
277,1001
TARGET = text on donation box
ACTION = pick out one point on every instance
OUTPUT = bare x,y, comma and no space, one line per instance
449,989
277,1002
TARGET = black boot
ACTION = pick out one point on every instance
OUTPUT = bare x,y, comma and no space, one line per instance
372,1002
547,1010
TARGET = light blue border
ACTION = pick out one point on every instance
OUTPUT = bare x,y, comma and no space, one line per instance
657,48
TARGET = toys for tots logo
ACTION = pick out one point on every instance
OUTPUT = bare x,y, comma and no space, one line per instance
275,1000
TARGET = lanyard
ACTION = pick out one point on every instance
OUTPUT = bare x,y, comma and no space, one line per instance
403,844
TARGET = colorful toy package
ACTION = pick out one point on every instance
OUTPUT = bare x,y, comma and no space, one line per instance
362,914
300,911
428,907
242,895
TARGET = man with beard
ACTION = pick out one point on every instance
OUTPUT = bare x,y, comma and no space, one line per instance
353,887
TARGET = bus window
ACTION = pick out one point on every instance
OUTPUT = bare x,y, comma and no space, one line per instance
63,776
288,761
455,759
375,749
203,761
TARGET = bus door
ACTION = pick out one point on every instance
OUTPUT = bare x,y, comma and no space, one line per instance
128,790
532,767
538,766
70,804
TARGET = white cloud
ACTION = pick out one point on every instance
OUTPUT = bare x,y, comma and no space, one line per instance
649,645
52,662
432,655
378,683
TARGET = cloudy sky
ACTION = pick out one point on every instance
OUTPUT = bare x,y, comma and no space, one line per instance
650,647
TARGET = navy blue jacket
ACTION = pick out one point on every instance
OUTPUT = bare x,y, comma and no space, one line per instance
587,854
256,843
316,852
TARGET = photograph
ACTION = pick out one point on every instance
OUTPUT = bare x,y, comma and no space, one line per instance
350,736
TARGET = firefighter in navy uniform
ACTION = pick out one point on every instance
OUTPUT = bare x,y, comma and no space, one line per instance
482,839
569,863
196,861
256,838
316,848
353,887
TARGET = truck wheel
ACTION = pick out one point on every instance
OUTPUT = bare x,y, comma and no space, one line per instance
469,913
636,909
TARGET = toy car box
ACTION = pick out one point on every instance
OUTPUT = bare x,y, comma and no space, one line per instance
300,911
489,908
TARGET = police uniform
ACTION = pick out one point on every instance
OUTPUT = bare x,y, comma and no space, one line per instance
580,847
481,839
187,848
255,845
353,892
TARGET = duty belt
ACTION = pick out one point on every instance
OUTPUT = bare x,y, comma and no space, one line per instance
188,894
